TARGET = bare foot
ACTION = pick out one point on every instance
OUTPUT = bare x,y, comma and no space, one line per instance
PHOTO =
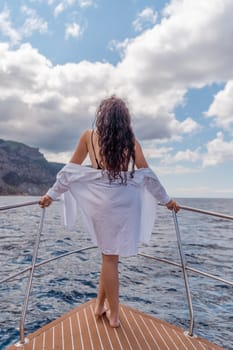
100,310
114,322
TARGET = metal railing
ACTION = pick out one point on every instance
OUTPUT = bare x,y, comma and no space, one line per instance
183,264
23,340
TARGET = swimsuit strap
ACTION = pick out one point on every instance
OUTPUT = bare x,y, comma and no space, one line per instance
98,166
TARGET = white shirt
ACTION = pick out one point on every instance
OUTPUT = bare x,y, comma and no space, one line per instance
117,216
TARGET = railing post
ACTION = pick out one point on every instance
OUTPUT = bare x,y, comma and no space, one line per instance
24,340
185,275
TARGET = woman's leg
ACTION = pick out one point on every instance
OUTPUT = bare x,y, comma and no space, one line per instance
109,287
100,307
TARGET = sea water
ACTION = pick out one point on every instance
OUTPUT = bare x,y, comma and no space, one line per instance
145,284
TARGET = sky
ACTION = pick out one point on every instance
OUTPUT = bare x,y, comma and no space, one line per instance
171,61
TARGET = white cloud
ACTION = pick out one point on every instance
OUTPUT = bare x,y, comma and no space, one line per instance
182,156
187,155
119,46
58,157
73,30
35,95
197,191
222,107
191,47
7,29
85,3
185,127
33,22
175,170
59,9
156,153
218,151
165,158
189,125
65,4
152,151
187,49
27,10
146,18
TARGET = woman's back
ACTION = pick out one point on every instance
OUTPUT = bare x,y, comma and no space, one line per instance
94,152
93,149
112,145
115,137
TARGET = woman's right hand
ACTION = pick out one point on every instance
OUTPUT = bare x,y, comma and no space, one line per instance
173,205
45,201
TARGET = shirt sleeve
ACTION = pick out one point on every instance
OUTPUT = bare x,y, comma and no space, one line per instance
155,187
60,186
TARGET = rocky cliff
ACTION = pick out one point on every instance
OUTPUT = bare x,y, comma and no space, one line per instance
24,170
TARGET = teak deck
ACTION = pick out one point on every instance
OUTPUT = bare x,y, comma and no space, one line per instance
79,329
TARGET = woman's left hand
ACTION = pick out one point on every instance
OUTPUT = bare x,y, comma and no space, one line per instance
45,201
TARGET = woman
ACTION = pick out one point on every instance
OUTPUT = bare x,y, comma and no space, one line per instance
113,196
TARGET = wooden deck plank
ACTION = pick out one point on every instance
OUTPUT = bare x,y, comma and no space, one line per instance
85,341
49,343
58,336
110,334
147,328
101,325
79,329
171,342
130,330
98,328
78,338
164,335
39,342
145,339
92,329
67,336
180,340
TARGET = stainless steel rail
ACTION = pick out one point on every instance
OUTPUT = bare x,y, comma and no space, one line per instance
45,262
7,207
182,265
199,272
19,205
185,275
24,340
201,211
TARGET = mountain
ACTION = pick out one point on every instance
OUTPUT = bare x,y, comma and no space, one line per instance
24,170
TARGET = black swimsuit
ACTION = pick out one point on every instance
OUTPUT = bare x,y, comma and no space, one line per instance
98,166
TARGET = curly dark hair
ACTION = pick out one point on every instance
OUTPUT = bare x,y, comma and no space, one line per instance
116,138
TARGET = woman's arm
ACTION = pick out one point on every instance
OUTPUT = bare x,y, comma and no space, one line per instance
140,160
78,157
81,151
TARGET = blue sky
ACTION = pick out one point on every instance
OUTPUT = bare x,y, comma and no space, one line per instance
170,60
